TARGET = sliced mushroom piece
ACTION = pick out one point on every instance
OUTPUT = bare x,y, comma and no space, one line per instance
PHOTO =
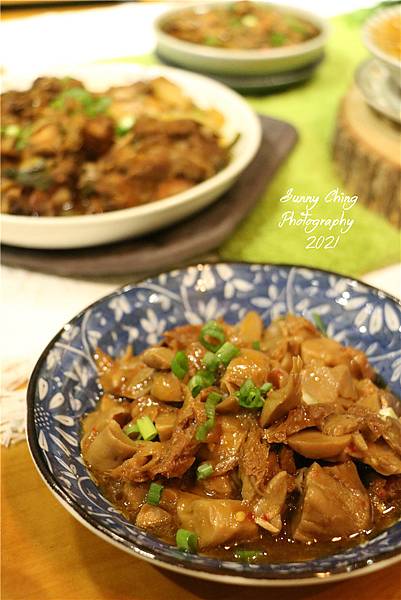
165,423
280,402
143,463
216,521
323,350
270,508
334,504
250,364
158,357
228,405
166,387
137,383
109,449
156,520
222,486
250,328
321,384
379,456
315,444
338,424
392,432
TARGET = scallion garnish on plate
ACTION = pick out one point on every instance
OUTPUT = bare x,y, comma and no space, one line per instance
186,540
147,428
179,365
209,332
154,494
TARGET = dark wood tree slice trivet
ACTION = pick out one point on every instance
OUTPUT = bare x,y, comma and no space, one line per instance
366,149
181,242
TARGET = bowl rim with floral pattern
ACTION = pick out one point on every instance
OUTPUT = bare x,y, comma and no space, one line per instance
178,294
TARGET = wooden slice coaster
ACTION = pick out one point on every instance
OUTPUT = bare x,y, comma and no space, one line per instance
367,150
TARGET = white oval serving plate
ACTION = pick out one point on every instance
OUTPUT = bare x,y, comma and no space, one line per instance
226,61
90,230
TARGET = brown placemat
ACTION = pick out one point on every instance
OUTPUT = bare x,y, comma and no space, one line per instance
179,243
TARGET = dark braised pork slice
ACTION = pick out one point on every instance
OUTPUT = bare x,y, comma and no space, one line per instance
216,522
334,504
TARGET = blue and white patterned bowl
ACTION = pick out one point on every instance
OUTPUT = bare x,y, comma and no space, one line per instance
64,387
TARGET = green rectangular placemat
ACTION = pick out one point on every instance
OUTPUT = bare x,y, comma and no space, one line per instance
371,242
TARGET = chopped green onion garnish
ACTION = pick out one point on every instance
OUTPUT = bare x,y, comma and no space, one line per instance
186,540
266,387
210,408
124,125
319,323
201,380
211,40
11,130
154,494
296,25
23,138
256,345
212,330
179,365
147,428
131,428
92,105
247,555
203,430
203,471
211,362
227,352
250,396
98,106
211,402
277,38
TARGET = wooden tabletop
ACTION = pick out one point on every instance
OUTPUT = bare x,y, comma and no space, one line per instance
48,555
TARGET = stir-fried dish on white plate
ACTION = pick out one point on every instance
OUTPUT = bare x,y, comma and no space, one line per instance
248,442
67,150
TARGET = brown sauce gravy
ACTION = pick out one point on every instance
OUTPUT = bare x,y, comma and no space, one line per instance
274,549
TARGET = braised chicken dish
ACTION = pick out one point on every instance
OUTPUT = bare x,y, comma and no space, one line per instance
246,442
240,26
69,151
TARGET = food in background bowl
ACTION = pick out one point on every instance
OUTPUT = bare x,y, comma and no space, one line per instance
70,151
382,37
248,443
387,35
262,39
240,25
